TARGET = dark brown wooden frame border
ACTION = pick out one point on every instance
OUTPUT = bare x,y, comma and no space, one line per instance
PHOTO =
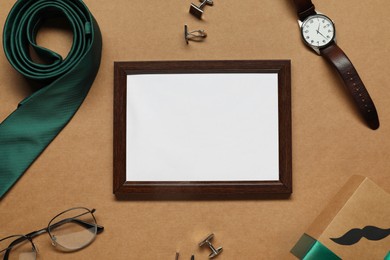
229,189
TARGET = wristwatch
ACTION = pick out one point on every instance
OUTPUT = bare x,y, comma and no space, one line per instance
319,33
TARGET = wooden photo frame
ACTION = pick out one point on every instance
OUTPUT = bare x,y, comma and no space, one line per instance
202,129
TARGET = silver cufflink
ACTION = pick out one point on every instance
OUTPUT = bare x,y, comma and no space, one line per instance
197,35
197,10
206,241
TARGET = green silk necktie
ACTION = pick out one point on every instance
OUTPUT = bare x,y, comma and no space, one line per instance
65,82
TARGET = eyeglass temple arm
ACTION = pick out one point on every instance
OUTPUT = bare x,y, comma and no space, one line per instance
29,236
87,225
64,221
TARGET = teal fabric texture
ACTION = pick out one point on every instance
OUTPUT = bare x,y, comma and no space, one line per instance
64,82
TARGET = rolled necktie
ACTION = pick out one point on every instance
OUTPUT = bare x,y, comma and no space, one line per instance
65,82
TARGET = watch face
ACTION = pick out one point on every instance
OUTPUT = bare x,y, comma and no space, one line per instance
318,31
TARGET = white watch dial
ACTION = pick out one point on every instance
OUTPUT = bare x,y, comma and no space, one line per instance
318,30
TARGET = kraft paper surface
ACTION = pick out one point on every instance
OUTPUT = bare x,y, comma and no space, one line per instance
330,141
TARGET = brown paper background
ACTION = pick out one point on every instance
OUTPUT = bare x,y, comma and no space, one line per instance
330,142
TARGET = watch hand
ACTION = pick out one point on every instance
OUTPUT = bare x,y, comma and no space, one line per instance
318,32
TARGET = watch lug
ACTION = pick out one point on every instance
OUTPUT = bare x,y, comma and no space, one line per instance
300,22
316,50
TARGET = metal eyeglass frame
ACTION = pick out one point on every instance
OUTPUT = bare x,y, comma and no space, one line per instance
50,226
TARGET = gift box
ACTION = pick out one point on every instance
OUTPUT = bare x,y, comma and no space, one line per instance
354,225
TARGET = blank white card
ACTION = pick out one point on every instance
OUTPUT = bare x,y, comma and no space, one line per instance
202,127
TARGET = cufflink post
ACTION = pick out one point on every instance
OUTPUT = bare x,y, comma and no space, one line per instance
197,35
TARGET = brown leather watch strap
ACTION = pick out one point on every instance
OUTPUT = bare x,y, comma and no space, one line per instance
354,84
305,8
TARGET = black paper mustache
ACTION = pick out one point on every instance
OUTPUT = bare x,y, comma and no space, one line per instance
354,235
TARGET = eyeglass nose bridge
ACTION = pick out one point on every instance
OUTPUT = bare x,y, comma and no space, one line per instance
34,234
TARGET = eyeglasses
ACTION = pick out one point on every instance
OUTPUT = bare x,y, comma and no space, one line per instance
71,230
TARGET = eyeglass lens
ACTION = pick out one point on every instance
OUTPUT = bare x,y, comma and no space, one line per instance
73,229
17,248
